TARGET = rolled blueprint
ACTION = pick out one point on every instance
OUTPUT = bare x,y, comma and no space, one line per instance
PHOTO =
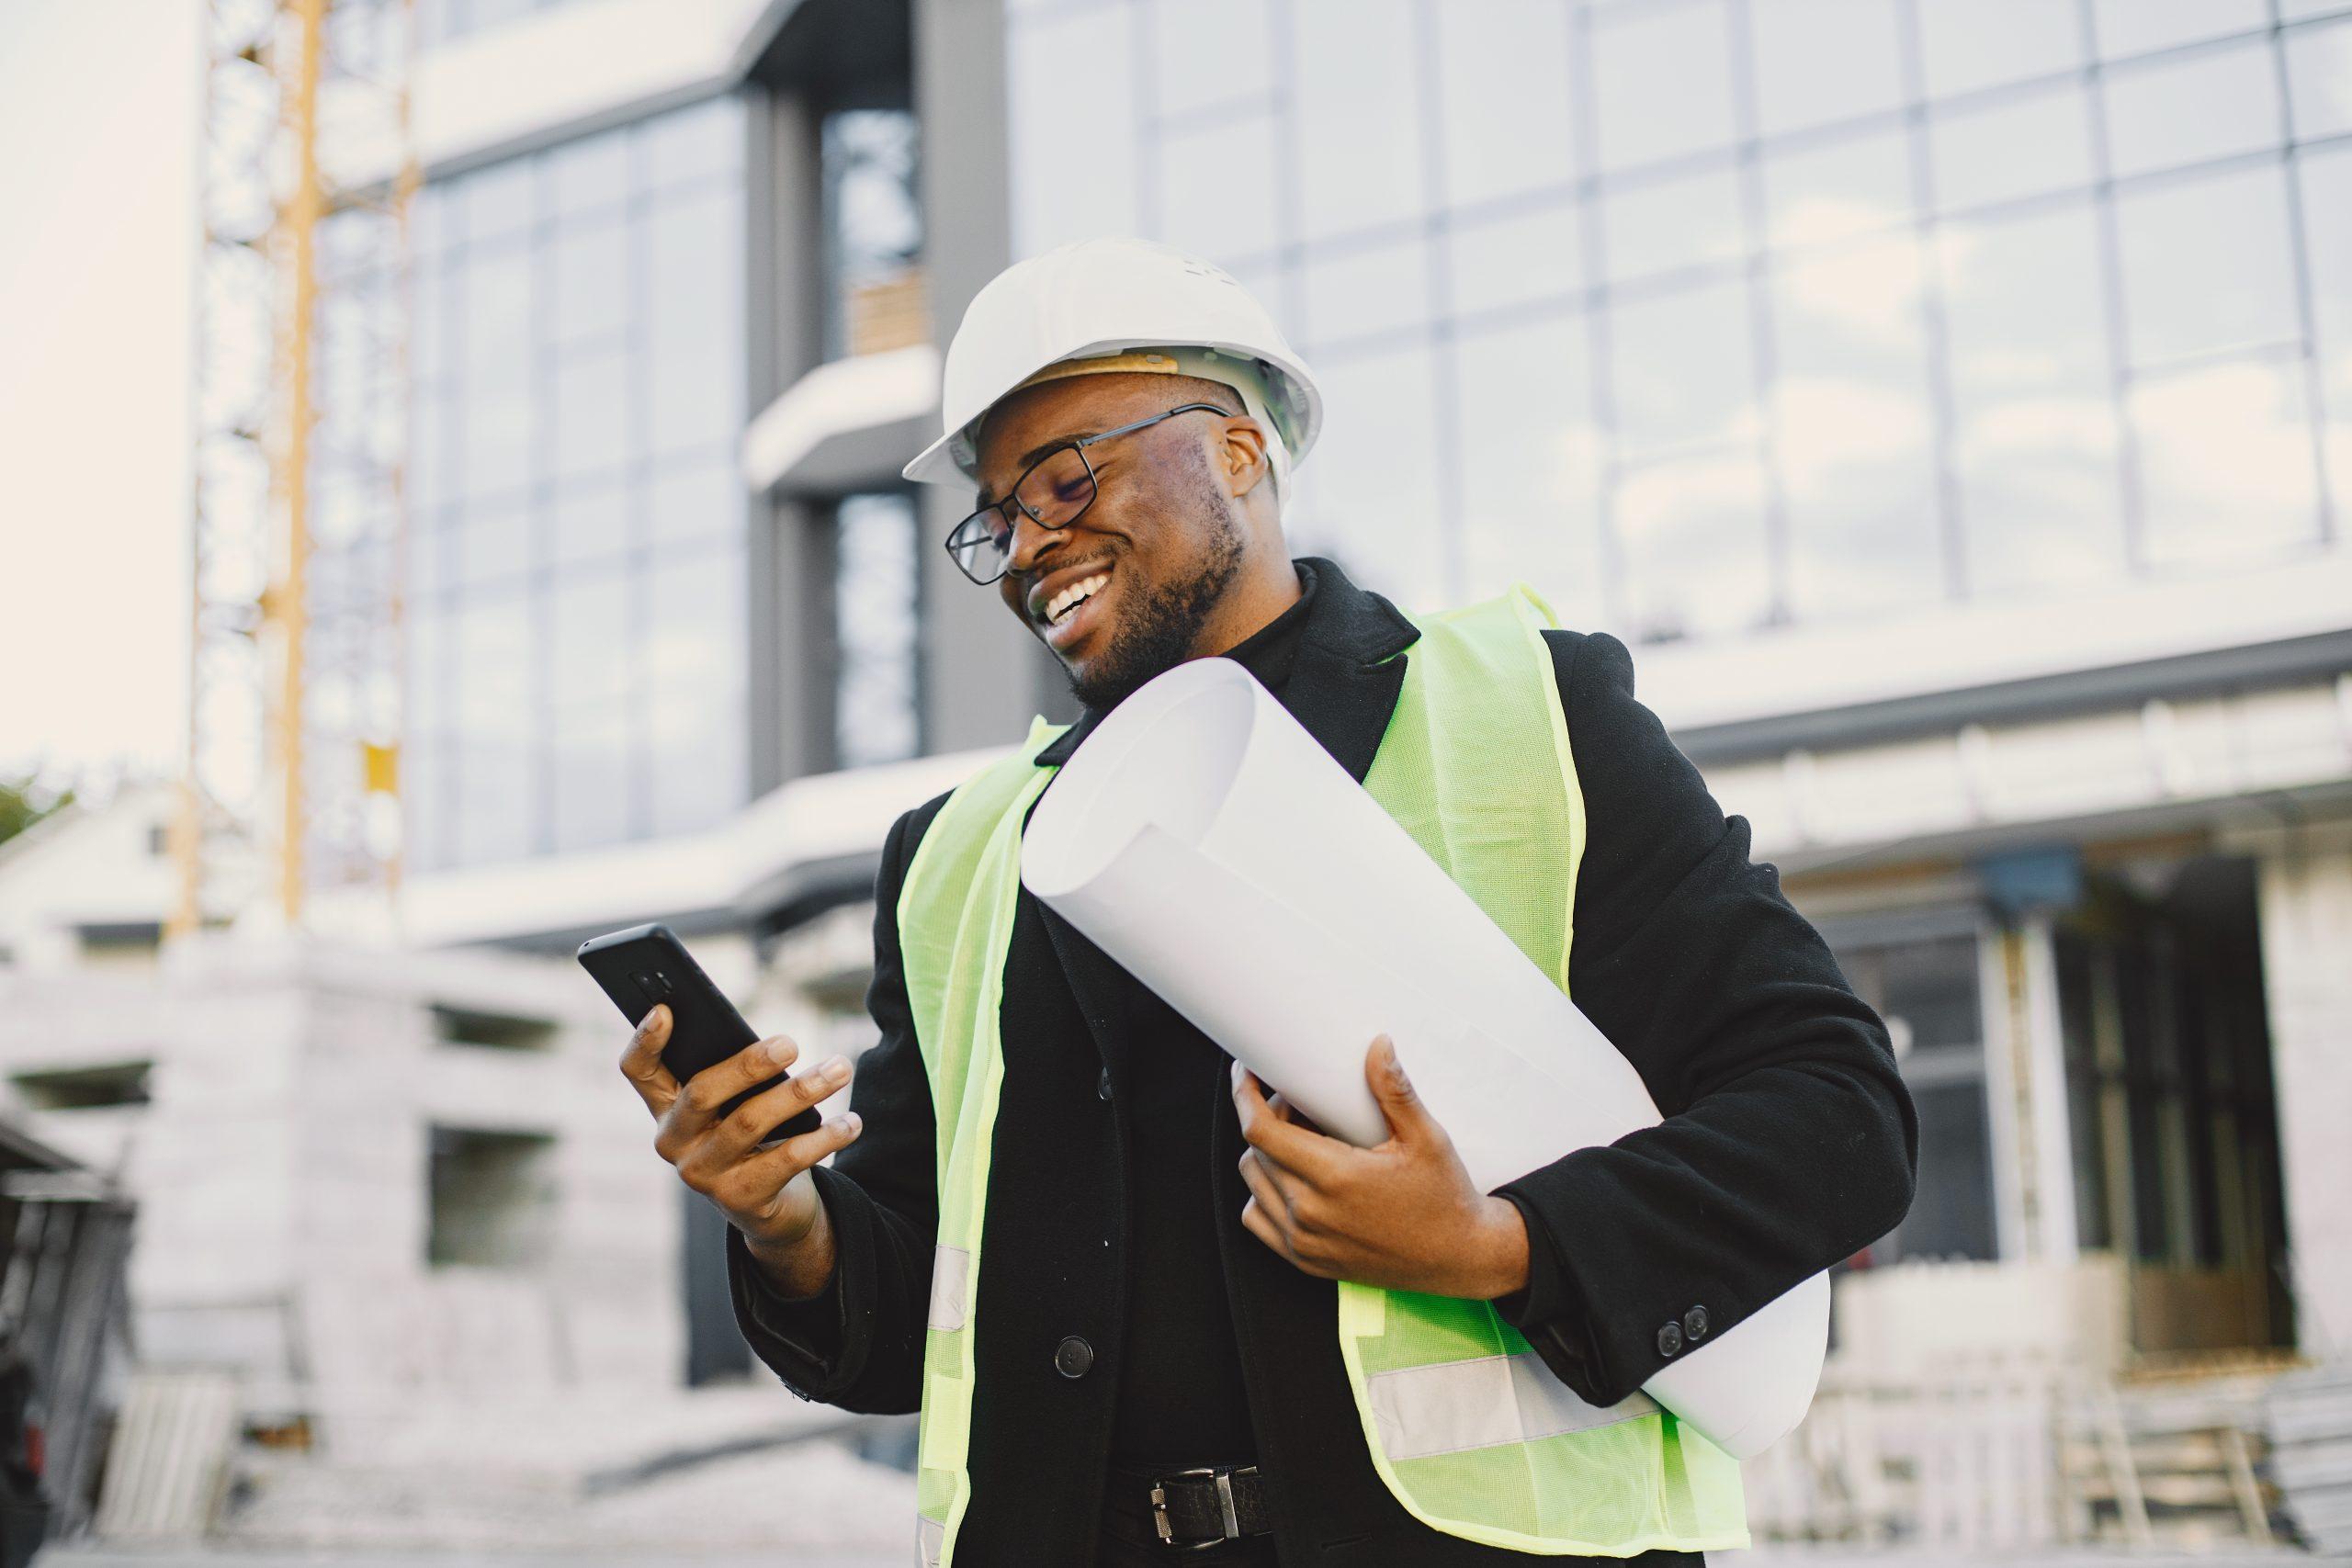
1212,847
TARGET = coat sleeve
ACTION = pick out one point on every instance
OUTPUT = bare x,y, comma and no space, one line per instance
1789,1142
858,1343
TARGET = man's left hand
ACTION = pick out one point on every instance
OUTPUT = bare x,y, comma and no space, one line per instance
1402,1215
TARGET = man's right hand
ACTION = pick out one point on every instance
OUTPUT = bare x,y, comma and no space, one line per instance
766,1194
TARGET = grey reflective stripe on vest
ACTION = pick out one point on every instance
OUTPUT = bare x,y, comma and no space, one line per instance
951,1275
1481,1403
931,1538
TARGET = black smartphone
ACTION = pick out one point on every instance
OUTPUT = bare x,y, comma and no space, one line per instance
646,965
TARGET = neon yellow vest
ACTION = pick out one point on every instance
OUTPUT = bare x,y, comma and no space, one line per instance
1468,1428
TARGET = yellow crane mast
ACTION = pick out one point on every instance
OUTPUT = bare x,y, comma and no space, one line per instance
290,814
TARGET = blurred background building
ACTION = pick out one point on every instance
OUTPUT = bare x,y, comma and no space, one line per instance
1949,400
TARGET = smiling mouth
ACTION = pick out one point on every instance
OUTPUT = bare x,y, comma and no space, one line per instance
1070,612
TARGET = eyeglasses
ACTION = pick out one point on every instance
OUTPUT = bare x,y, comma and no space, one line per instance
1053,491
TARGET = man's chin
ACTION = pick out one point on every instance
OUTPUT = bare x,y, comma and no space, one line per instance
1106,681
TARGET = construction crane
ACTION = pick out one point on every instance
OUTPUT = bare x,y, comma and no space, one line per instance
290,815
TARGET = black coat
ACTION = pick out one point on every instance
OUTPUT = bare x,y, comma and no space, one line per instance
1789,1145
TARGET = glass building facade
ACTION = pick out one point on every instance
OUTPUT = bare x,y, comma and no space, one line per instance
1706,316
578,557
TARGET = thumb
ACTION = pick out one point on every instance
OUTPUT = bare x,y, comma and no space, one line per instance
1407,1117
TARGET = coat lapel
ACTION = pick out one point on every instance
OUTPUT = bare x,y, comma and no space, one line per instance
1342,690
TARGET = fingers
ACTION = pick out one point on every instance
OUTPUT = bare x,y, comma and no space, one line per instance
1314,1157
1268,1188
642,1062
698,1100
728,1138
1409,1121
752,1185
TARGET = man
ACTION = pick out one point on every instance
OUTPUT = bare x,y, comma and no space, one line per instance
1163,1236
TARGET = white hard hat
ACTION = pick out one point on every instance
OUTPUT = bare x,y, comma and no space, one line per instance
1091,305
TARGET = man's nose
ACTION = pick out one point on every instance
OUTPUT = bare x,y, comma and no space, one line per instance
1029,537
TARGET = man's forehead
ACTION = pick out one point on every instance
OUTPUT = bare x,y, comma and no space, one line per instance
1052,412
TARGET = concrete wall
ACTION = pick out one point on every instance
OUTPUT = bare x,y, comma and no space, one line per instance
2306,901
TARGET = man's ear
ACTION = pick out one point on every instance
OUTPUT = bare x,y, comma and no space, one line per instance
1246,463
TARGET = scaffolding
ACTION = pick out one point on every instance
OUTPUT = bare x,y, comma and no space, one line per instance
290,814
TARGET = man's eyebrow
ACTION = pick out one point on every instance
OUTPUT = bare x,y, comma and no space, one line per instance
1022,466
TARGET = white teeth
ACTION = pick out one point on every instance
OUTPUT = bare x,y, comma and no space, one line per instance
1069,597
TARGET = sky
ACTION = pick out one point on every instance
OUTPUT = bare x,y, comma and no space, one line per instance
98,236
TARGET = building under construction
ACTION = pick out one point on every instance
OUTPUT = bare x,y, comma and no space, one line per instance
1953,415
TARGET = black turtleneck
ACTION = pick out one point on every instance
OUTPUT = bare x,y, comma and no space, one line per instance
1182,1397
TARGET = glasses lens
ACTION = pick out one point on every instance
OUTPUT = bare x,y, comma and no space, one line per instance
980,544
1058,489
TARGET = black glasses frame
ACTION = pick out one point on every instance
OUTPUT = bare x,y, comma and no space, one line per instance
957,540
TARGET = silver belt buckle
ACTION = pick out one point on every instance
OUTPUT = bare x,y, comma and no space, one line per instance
1224,1479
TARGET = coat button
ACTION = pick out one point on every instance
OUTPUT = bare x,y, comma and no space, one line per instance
1073,1357
1669,1338
1102,1085
1694,1324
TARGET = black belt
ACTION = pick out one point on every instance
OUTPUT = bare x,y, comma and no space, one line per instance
1206,1505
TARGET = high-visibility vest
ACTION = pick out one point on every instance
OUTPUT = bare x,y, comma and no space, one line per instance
1466,1426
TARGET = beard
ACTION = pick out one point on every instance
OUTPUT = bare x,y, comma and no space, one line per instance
1159,629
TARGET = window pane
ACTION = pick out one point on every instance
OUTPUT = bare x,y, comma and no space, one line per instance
586,524
698,501
1205,52
586,175
2166,113
1819,61
877,718
1504,112
1932,987
1952,1214
494,542
1683,367
2319,78
2327,225
1692,537
2205,264
1361,292
1512,261
694,308
1375,502
692,143
432,473
425,638
1662,81
495,383
1216,188
495,199
2035,444
591,780
590,282
494,801
1064,69
2021,146
694,724
492,700
1980,43
590,660
1359,115
1852,186
1855,431
1661,225
1530,464
2226,463
592,414
2133,26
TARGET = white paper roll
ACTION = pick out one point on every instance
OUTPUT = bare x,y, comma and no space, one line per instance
1211,846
